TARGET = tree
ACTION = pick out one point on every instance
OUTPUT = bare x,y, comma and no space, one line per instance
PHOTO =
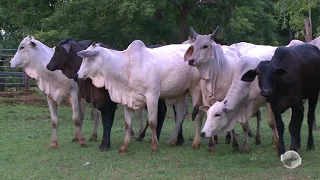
296,15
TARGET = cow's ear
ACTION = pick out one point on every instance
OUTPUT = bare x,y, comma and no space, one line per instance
249,76
281,71
87,53
33,44
204,108
85,43
188,53
67,47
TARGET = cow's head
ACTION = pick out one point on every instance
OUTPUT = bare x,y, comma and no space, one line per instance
201,50
268,75
27,51
65,57
217,122
92,62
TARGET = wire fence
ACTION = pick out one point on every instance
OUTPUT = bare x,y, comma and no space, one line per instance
11,78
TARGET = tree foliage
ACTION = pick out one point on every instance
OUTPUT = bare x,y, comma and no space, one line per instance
119,22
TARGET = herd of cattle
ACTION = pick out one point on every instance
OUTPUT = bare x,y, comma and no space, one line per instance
220,79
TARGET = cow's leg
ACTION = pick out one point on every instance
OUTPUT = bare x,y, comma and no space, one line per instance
315,125
152,101
95,117
54,118
245,128
295,126
272,125
107,117
259,118
235,145
140,117
180,140
228,138
77,118
128,113
196,96
250,132
181,108
162,111
280,129
311,118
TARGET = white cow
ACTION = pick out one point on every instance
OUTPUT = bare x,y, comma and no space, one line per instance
217,65
33,56
139,76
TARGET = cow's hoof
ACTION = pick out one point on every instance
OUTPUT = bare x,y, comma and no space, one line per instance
235,149
54,145
104,147
93,138
139,139
154,148
83,145
310,148
258,141
180,142
196,146
172,143
74,140
251,133
212,149
123,148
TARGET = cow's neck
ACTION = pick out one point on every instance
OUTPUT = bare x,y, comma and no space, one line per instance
220,73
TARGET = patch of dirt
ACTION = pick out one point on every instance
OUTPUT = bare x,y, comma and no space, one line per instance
28,97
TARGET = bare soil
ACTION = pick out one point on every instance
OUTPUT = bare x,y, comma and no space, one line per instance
28,97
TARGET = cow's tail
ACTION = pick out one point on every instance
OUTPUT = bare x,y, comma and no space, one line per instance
195,112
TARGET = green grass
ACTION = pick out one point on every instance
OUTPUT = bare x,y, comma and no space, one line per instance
25,153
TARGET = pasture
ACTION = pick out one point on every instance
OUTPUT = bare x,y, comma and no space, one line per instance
25,131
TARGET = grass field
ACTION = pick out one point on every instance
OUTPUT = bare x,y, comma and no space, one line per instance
25,153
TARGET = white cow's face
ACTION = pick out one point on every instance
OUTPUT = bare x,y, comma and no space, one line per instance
91,64
26,52
217,121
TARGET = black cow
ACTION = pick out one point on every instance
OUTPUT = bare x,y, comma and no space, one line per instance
291,76
65,58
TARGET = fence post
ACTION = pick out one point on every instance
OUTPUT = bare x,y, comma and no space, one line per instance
26,81
2,80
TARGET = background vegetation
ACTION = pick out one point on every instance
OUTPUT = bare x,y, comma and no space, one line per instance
119,22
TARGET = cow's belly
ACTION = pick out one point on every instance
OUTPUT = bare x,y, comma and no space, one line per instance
168,91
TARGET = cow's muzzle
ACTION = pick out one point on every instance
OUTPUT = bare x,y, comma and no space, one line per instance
266,92
50,67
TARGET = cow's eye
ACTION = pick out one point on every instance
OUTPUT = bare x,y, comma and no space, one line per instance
21,48
217,115
205,47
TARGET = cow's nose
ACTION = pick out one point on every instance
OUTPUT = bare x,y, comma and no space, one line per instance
49,67
191,62
266,92
76,77
202,134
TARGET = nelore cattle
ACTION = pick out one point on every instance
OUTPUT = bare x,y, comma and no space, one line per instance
216,65
33,56
291,76
139,76
65,58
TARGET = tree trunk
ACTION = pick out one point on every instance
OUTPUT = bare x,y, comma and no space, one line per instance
183,26
308,29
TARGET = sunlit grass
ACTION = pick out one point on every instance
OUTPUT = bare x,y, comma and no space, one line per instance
25,153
